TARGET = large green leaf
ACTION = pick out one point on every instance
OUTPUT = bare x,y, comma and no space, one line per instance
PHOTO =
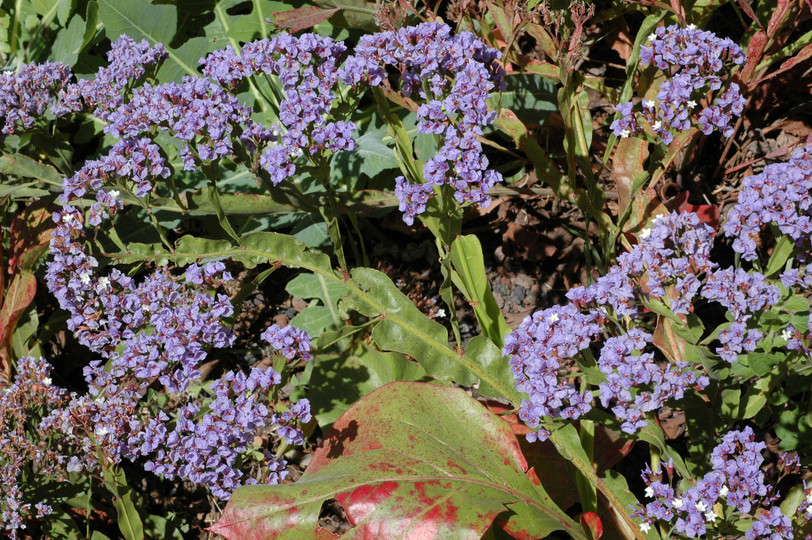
409,460
340,380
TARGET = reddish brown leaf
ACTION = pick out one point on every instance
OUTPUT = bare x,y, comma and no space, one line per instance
754,52
802,56
745,5
19,296
778,16
298,19
30,234
409,461
708,213
592,524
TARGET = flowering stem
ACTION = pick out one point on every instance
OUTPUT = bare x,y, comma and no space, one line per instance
587,491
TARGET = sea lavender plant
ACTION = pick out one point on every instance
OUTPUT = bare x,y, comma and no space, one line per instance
451,77
27,94
692,60
734,487
24,448
307,68
663,266
782,196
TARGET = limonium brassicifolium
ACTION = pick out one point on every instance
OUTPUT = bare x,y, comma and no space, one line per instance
451,77
154,332
692,61
735,484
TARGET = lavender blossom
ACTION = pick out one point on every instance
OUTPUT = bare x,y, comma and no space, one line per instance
780,195
453,77
307,67
27,94
691,59
735,481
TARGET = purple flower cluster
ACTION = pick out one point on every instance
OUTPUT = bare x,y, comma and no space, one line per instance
197,111
671,253
453,77
291,342
308,71
22,404
691,59
129,61
665,264
626,370
27,94
541,347
780,195
736,481
742,293
204,444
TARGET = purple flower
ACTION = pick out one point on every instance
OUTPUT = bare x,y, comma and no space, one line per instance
453,76
691,59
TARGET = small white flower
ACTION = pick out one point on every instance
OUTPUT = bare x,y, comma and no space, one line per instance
677,503
645,526
701,506
649,492
624,134
645,233
657,218
809,509
104,282
691,27
441,312
553,317
47,381
102,431
114,194
652,36
84,277
710,516
691,104
656,125
724,491
68,218
648,103
785,335
809,498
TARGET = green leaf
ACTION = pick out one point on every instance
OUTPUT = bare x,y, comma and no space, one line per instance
481,352
470,278
156,23
25,167
531,97
568,444
370,157
781,253
129,521
69,42
463,462
340,380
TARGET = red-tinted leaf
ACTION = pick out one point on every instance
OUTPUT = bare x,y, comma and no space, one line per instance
708,213
745,5
19,296
30,234
592,523
802,56
409,460
778,16
302,18
754,52
627,163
